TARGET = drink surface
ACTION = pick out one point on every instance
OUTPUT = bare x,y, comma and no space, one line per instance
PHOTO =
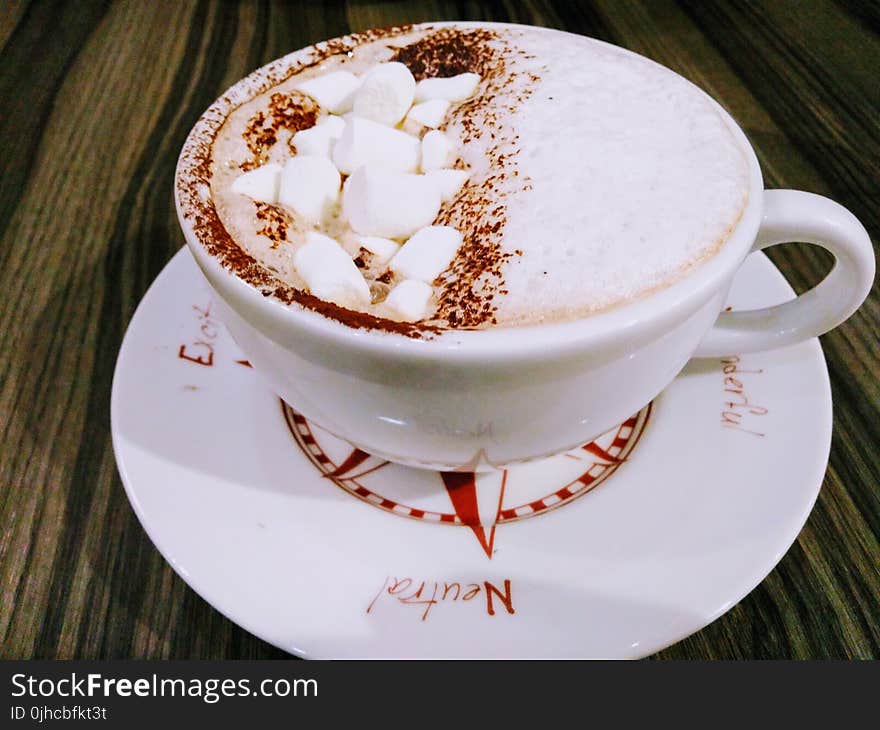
593,177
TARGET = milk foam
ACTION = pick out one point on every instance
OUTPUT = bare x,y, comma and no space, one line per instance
635,179
626,177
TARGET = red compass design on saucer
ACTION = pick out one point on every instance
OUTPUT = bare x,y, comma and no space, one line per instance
480,501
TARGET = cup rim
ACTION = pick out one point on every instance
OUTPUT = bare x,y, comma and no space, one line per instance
653,312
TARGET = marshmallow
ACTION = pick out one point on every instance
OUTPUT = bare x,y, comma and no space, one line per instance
409,299
410,126
436,150
319,140
429,113
383,249
260,184
379,202
454,88
334,91
329,271
386,93
335,124
448,182
309,186
427,253
364,142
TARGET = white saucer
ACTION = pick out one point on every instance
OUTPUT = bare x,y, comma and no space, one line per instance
616,550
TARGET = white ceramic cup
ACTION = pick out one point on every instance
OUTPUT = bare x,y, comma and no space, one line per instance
476,400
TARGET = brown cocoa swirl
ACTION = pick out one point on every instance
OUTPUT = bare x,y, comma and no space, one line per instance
467,288
293,112
275,221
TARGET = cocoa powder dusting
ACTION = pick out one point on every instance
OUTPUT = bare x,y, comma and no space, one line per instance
275,222
466,290
293,112
259,135
194,180
449,52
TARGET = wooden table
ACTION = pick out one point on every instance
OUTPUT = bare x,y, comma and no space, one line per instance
95,102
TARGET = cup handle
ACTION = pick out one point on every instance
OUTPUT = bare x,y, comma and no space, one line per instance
793,215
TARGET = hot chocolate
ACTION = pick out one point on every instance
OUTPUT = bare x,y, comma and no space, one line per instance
445,176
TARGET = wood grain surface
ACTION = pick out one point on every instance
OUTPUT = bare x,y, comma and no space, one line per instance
95,102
